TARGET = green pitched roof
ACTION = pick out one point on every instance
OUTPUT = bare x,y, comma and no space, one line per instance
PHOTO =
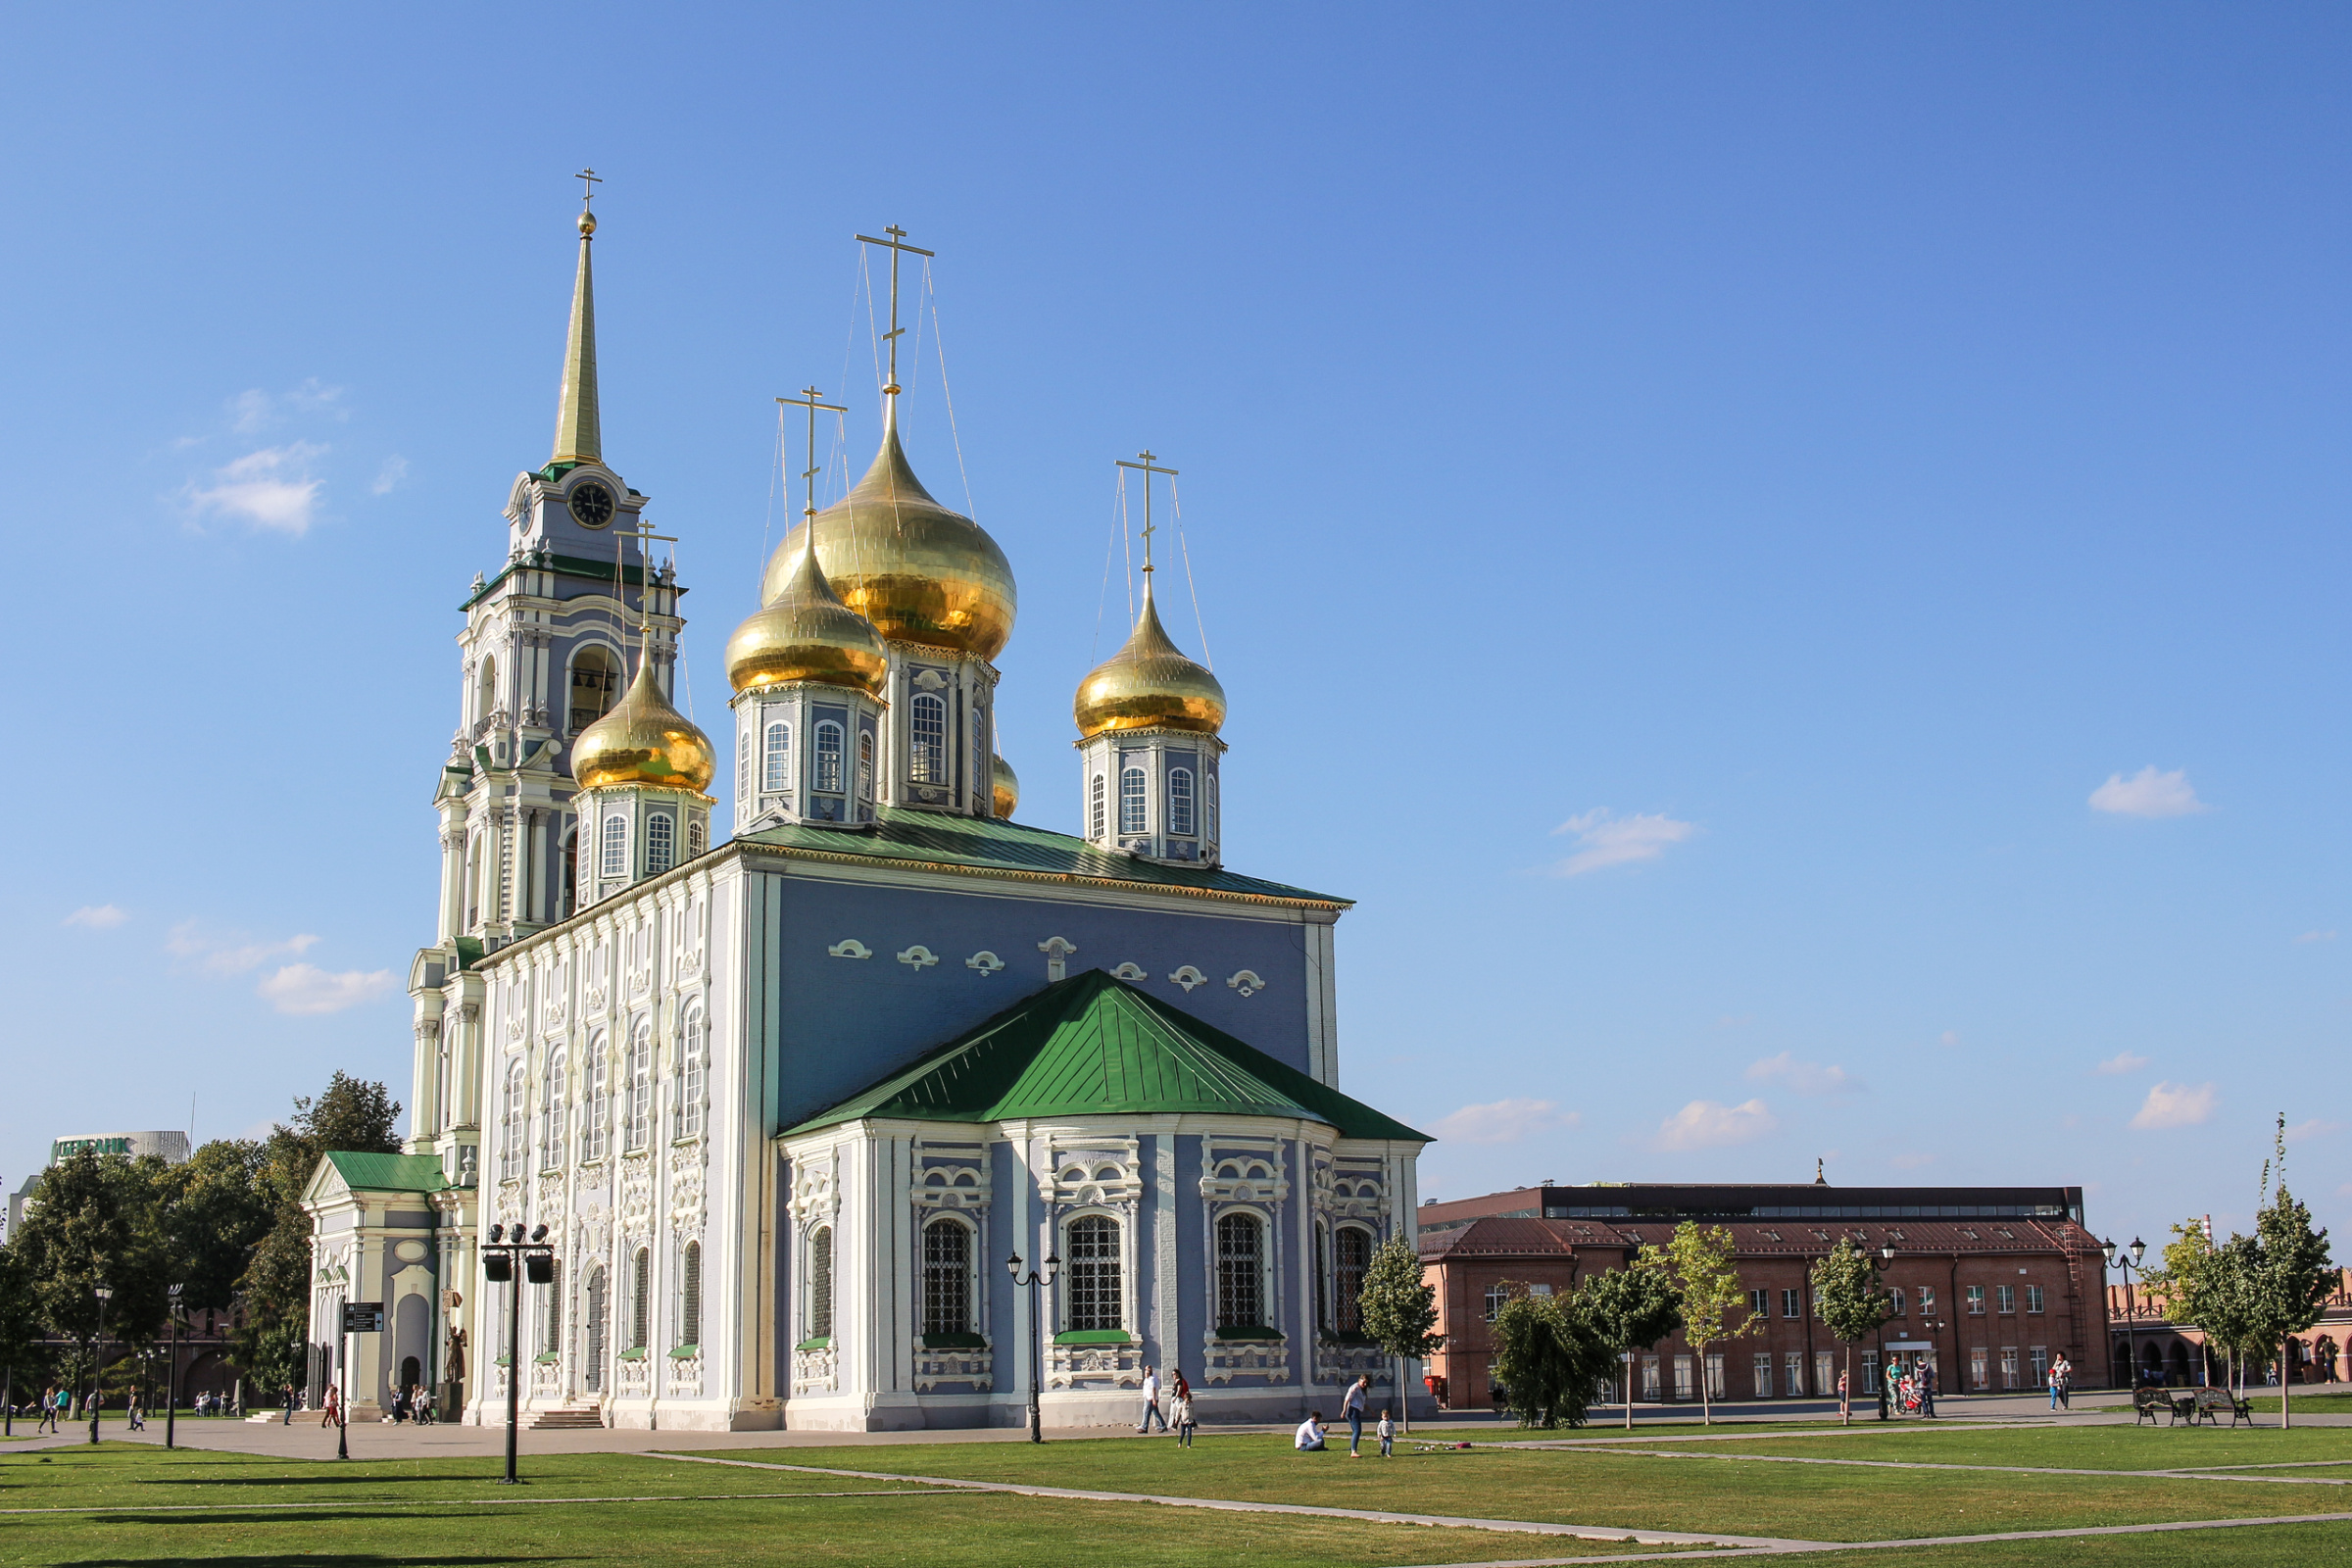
389,1173
1092,1045
991,843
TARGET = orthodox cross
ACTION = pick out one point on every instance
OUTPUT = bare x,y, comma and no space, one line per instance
895,244
1147,471
808,400
645,578
589,179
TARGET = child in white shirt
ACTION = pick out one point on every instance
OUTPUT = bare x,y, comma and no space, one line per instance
1388,1434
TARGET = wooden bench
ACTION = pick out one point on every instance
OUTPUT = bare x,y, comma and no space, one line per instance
2207,1405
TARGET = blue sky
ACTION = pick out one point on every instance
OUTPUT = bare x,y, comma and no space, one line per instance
1790,557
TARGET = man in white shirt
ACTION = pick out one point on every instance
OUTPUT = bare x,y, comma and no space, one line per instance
1152,1410
1309,1437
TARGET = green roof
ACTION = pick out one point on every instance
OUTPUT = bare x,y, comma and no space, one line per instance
995,845
389,1173
1092,1045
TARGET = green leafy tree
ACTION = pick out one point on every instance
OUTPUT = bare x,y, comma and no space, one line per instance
1549,1355
218,1207
1399,1311
2293,1281
94,1220
1630,1308
1850,1302
1707,1289
20,1326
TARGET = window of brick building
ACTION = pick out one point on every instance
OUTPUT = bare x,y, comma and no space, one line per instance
1976,1300
1763,1374
1792,1304
2033,1298
2007,1295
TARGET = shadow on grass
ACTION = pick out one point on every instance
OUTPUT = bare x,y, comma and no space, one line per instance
343,1479
328,1559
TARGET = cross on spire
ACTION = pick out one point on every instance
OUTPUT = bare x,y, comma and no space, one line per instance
895,244
1147,469
589,179
808,400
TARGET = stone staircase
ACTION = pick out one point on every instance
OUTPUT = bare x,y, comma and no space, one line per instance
569,1418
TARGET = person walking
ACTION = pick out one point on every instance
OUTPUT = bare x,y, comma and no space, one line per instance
138,1416
1184,1418
1352,1406
1151,1409
331,1412
1845,1405
1926,1390
2057,1377
1388,1434
2064,1372
289,1421
48,1410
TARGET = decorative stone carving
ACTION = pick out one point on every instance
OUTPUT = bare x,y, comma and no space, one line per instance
919,957
1095,1171
1266,1359
928,680
985,961
976,1366
850,948
685,1372
813,1371
1094,1366
1188,977
1344,1364
1057,951
636,1195
1247,982
1130,972
686,1190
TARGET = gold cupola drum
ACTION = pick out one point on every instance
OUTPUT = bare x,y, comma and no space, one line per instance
643,740
805,633
1006,795
1149,683
642,769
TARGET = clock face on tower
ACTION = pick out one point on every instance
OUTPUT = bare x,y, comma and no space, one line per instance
592,504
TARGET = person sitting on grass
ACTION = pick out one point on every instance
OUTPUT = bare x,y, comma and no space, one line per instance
1309,1437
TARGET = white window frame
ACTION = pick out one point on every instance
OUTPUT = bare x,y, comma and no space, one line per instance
1266,1303
514,1145
638,1085
614,837
694,1073
865,763
551,1143
829,742
596,1128
927,740
775,777
1102,808
1183,811
1135,801
1208,803
970,1271
812,1299
1066,1288
660,843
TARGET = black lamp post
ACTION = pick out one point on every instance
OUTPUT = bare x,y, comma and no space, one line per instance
2127,1260
105,1293
1886,1390
1037,1330
538,1268
171,1372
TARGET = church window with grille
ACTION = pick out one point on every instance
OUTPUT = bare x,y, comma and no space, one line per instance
778,763
820,1284
518,1126
1180,801
1101,790
616,845
1209,797
743,765
865,764
1134,799
1095,1300
551,1128
551,1333
595,1130
660,843
694,1075
592,1348
595,686
640,1085
694,837
980,755
946,1278
828,757
641,1298
927,757
1241,1272
1351,1257
690,1298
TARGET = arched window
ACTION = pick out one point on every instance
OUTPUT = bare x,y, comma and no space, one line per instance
595,686
1351,1257
927,757
595,1131
641,1298
694,1075
778,775
947,1277
1096,1300
518,1125
660,843
551,1127
616,845
865,764
1241,1272
981,782
820,1284
1132,802
694,837
640,1088
690,1298
1180,801
551,1332
592,1350
828,757
572,872
1099,820
743,767
485,691
1213,806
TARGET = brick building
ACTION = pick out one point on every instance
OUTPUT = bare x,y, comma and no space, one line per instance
2173,1351
1990,1284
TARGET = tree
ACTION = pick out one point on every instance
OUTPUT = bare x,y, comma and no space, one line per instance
1707,1287
1399,1311
1549,1355
20,1324
2293,1280
1849,1301
1632,1307
94,1221
218,1207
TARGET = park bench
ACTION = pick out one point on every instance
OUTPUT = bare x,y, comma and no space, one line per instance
2207,1404
2146,1400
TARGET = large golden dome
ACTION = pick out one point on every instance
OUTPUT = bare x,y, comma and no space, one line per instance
643,741
918,572
1006,789
1149,684
806,633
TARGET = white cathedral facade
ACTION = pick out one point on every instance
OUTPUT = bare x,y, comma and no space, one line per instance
787,1099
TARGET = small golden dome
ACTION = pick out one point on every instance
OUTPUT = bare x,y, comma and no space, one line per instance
643,741
1147,683
806,633
1008,788
918,572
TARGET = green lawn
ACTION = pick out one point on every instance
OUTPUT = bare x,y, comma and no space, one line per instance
2317,1403
2105,1448
191,1505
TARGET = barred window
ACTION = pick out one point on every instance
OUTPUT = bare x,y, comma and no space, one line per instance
690,1298
592,1350
1180,801
641,1298
828,757
778,764
616,845
550,1143
820,1284
551,1333
1322,1269
1241,1272
660,843
1351,1259
694,837
946,1278
694,1075
927,758
1096,832
640,1088
1096,1300
1132,801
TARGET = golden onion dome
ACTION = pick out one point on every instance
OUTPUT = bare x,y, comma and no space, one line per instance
1006,788
918,572
643,740
806,633
1149,684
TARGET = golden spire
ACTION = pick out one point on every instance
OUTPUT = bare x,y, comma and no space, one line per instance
1149,683
579,435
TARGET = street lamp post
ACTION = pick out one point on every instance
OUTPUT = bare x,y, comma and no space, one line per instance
1886,1390
1037,1331
105,1293
2127,1259
538,1268
171,1373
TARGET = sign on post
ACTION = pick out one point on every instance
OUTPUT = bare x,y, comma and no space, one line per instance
363,1317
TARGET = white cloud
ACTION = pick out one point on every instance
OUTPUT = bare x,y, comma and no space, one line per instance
1602,840
250,412
2123,1061
1950,1037
388,477
97,916
228,952
2171,1105
1805,1077
2317,936
1503,1121
2314,1128
306,988
1708,1124
2148,793
272,488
